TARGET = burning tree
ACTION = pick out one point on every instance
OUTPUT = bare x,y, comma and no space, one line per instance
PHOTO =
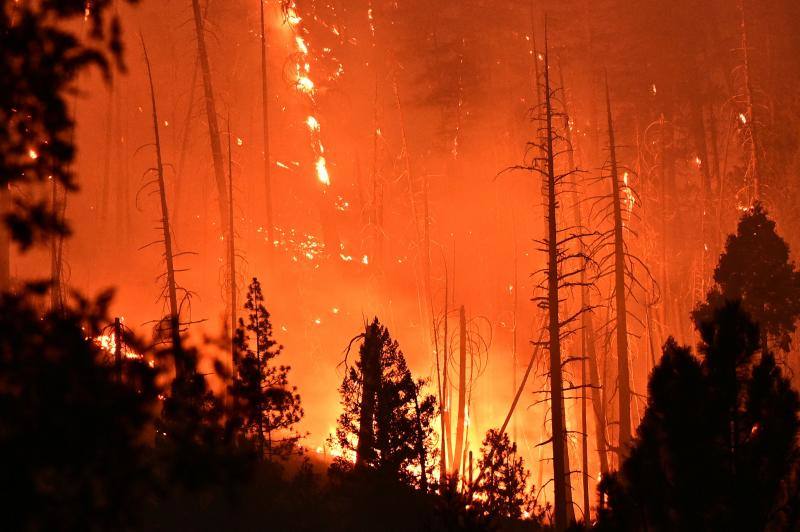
387,424
267,407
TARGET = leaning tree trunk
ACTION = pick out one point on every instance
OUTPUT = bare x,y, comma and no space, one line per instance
623,371
211,112
172,291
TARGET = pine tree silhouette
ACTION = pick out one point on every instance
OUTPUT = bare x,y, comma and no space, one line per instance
501,492
266,405
755,267
717,441
386,423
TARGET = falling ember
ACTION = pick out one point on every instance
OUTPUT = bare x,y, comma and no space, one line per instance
322,172
742,118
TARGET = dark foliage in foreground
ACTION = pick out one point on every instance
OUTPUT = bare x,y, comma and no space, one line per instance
72,440
43,53
717,443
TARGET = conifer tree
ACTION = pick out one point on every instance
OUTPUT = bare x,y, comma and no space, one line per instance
717,442
387,424
268,407
502,489
756,268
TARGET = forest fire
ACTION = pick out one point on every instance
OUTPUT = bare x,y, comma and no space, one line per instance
533,264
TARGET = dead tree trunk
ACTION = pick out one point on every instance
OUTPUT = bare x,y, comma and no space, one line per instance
623,371
753,166
588,349
232,257
172,290
462,388
265,119
559,437
211,112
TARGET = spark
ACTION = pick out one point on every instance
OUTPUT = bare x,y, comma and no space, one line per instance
365,259
742,118
239,141
32,154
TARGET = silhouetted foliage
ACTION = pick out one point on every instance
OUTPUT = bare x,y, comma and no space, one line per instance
267,407
755,267
194,445
717,440
41,56
502,492
72,452
386,423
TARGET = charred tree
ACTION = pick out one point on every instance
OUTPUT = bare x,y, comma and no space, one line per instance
588,337
171,286
211,111
232,256
558,277
620,288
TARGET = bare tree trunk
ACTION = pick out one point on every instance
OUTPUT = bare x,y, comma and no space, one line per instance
559,439
232,257
589,344
172,291
754,163
586,318
623,372
211,112
462,388
265,119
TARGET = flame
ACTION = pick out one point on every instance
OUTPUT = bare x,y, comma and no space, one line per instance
304,84
630,198
322,172
313,124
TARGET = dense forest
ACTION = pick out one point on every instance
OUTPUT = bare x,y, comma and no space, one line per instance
399,265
